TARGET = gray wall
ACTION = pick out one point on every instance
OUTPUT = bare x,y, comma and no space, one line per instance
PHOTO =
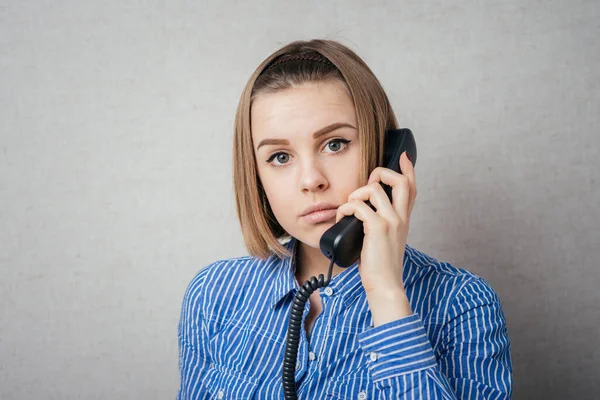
115,176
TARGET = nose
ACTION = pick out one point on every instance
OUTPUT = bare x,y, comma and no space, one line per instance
312,178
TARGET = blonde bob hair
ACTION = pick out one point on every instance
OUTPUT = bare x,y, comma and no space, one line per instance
294,64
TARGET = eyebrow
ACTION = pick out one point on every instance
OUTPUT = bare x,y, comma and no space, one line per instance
317,134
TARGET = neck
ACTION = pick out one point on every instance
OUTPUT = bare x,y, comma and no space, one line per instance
311,262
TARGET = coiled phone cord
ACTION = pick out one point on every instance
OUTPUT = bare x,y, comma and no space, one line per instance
293,335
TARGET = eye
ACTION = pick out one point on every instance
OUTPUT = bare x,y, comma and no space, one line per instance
281,158
337,145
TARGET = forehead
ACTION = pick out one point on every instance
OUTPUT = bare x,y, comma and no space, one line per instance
301,110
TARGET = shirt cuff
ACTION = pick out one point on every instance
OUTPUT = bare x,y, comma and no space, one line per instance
397,348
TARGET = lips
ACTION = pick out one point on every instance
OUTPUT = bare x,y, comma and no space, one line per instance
316,217
318,207
321,212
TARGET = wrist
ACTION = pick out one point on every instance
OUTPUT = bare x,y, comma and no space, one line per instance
388,305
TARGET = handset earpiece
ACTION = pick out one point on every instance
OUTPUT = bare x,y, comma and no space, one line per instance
343,241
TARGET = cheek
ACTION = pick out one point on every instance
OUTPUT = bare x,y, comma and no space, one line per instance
279,192
348,175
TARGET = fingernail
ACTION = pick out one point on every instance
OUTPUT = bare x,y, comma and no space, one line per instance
408,156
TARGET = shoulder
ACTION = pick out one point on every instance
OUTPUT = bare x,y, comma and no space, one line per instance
226,282
449,285
422,268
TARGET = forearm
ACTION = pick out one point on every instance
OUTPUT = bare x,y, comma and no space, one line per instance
402,362
387,305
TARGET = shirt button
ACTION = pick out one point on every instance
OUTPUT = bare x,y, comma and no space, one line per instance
220,394
297,366
312,356
373,356
328,291
362,396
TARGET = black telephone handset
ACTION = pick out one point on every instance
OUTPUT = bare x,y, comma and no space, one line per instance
343,241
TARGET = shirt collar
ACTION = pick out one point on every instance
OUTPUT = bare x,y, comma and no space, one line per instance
347,284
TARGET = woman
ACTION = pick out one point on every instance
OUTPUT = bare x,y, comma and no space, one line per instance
397,324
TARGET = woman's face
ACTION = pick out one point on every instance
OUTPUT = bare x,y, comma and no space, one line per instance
308,153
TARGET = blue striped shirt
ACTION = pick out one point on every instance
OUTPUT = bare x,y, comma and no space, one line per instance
234,321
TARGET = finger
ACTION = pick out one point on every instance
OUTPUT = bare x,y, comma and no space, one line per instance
363,212
408,170
401,191
374,193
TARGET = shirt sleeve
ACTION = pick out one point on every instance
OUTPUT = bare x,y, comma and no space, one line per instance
193,354
470,358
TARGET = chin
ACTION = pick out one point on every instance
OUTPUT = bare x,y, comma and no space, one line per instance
312,237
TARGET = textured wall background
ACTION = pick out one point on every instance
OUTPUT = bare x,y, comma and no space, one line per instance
115,176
